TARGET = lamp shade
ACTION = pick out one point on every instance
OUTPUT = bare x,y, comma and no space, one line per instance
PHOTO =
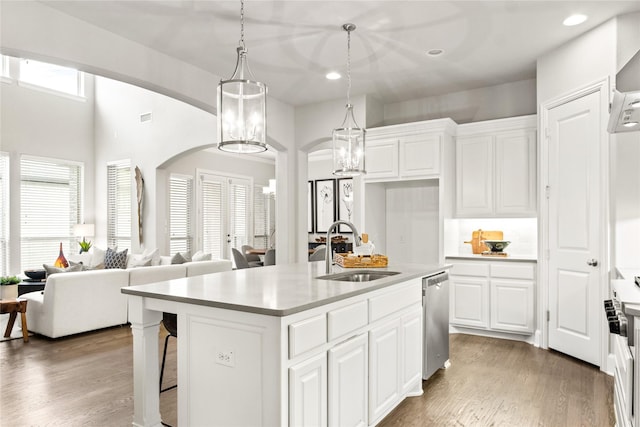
84,230
348,147
242,110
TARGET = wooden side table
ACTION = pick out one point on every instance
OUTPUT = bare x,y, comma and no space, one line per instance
13,307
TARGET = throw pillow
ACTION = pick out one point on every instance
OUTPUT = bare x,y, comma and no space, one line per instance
201,256
146,263
113,259
138,260
154,254
178,259
97,257
50,269
84,258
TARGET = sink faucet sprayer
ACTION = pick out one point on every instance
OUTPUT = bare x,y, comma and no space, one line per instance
329,252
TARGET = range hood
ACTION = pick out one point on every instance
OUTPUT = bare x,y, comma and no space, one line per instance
625,108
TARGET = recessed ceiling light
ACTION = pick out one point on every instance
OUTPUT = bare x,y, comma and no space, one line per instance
574,20
435,52
333,75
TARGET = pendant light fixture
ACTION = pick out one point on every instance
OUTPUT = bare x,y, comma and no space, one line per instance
349,138
242,106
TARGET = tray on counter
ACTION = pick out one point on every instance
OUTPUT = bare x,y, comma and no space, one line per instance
373,261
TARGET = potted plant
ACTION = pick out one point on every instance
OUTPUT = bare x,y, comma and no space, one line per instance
9,287
84,245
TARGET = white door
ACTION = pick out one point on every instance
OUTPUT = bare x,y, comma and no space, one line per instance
574,212
348,383
224,213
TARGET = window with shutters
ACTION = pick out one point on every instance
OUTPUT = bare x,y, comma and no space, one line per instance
4,214
225,218
51,204
263,218
180,217
119,183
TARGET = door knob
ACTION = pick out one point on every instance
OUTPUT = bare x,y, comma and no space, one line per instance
592,262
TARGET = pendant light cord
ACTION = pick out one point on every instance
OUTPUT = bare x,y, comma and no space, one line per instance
348,67
242,24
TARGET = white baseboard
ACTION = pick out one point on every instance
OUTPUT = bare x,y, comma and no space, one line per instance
532,339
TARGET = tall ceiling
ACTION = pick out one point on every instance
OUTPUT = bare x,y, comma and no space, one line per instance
293,44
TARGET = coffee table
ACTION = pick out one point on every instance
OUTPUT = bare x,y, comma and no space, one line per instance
13,307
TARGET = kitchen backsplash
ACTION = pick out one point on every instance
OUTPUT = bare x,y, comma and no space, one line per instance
521,232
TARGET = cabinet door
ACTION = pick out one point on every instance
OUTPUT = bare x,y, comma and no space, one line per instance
411,351
384,369
474,176
348,383
381,159
420,157
469,301
512,305
308,392
515,173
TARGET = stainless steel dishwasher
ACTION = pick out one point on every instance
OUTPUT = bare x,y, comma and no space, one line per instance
435,305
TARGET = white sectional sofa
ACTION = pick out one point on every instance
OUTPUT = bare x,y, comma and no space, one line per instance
83,301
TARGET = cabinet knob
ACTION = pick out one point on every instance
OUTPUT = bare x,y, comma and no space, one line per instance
592,262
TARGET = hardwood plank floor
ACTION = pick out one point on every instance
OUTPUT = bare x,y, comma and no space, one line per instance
86,380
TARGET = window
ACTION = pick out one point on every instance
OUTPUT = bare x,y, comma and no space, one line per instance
119,182
50,205
50,76
263,218
4,215
4,67
180,216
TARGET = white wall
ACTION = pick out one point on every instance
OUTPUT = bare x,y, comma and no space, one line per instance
39,123
495,102
626,200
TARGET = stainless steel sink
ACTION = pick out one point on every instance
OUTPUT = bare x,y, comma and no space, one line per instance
359,275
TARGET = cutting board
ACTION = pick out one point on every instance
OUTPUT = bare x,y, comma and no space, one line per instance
477,236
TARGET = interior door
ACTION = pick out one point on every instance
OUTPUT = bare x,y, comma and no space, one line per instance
574,219
225,213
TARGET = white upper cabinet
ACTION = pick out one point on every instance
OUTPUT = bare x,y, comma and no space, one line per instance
496,168
407,151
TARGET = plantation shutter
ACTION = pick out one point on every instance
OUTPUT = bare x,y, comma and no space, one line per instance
50,205
4,214
212,220
119,183
260,218
239,210
180,202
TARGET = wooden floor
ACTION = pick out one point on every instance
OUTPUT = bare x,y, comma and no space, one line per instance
86,380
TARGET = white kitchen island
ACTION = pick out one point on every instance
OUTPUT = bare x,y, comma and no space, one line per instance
275,346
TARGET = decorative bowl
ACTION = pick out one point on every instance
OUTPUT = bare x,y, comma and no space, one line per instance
496,245
35,274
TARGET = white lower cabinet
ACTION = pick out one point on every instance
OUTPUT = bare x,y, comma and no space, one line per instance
366,363
348,383
308,392
493,295
384,368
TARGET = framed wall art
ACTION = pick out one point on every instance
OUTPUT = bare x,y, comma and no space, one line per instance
324,204
344,201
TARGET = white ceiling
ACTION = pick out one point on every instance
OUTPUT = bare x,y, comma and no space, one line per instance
292,44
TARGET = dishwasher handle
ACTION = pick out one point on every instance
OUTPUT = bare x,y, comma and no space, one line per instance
436,279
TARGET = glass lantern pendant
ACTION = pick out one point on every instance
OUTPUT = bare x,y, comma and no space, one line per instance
242,107
349,138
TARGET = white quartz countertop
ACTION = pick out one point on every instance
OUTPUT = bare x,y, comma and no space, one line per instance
528,258
278,290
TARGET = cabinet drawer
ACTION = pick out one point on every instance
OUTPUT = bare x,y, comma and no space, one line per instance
386,304
347,319
307,334
513,271
470,269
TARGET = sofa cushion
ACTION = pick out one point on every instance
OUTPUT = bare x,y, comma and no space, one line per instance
181,258
139,260
154,254
113,259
